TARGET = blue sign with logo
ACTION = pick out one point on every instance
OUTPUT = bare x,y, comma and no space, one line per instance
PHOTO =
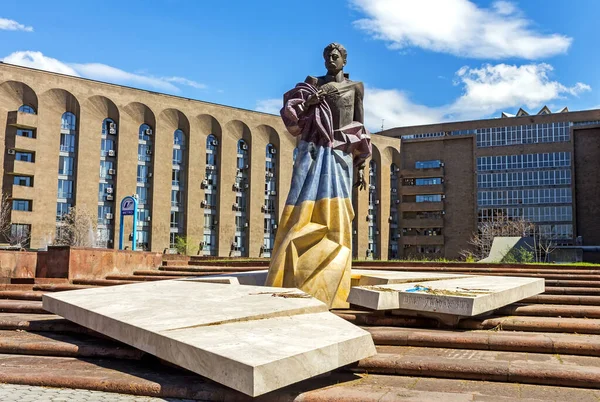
129,206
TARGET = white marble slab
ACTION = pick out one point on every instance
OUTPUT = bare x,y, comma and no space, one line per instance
251,338
463,296
226,280
370,277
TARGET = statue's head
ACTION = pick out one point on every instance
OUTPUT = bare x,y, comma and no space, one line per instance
335,58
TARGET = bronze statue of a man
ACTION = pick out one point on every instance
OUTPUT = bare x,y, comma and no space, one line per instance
313,246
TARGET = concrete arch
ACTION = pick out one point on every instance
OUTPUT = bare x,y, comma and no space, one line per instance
101,107
15,93
267,134
140,114
175,119
208,124
60,101
238,130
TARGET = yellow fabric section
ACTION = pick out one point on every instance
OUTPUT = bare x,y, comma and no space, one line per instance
313,250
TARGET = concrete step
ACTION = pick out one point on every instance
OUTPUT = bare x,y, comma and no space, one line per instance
100,282
9,286
534,324
39,281
167,273
538,342
60,288
138,278
21,295
209,269
551,290
65,345
497,323
39,323
545,310
563,299
442,266
110,375
572,283
21,306
528,368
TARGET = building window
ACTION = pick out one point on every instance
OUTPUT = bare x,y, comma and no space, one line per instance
20,234
429,198
68,121
24,156
145,148
428,164
428,181
21,205
66,164
25,133
27,109
26,181
373,212
209,184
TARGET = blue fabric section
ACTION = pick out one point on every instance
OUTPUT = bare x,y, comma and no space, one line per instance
320,172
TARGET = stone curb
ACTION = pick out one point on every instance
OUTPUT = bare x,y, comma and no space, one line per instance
497,341
52,344
21,295
563,299
529,373
550,310
21,306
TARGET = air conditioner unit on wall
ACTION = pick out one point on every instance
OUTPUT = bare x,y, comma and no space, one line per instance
109,190
214,143
111,152
148,131
112,171
273,151
109,198
11,151
109,216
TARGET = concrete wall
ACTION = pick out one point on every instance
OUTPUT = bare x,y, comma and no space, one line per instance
93,263
17,264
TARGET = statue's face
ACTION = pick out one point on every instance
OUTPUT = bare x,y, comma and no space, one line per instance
334,62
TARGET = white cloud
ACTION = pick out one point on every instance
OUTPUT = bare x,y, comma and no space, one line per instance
98,71
12,25
486,91
272,106
458,27
39,61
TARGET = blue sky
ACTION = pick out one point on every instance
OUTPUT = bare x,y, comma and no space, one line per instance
421,61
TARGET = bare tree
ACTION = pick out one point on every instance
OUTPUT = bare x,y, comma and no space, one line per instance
5,217
538,247
76,228
15,236
481,241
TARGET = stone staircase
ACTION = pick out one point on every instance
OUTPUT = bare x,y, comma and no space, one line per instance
550,341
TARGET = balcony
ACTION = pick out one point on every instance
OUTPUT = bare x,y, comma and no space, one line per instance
416,190
422,173
421,206
24,168
25,143
23,192
422,223
422,240
22,120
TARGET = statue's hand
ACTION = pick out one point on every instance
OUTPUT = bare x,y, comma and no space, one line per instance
314,99
361,184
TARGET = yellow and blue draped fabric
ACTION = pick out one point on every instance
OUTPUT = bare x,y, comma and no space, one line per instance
313,245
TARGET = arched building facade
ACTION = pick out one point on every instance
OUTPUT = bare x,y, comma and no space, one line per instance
216,175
